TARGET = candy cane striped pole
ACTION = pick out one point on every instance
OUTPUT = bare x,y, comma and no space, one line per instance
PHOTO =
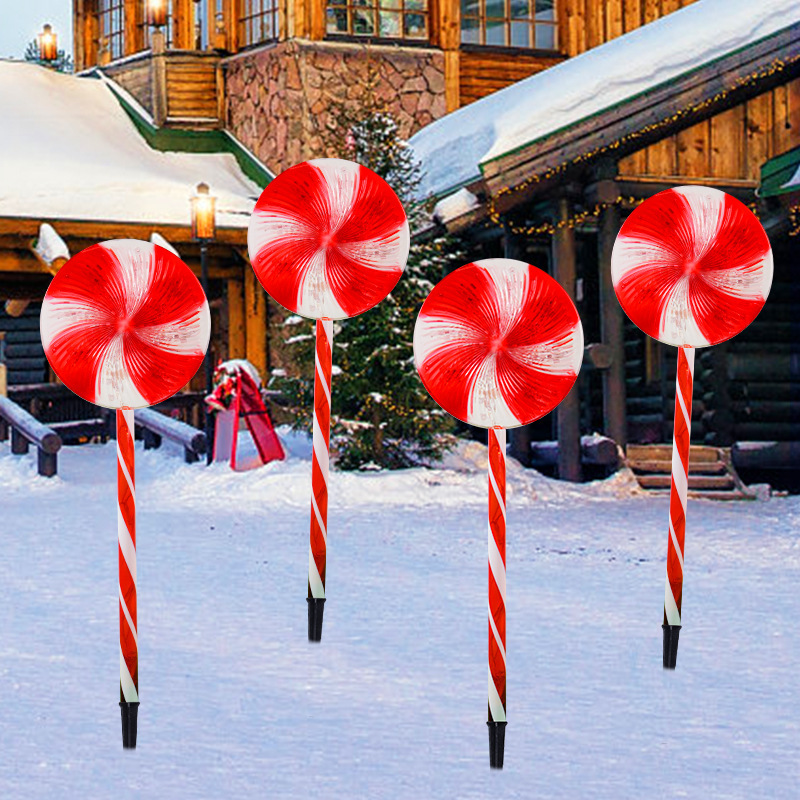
317,554
126,529
677,504
497,595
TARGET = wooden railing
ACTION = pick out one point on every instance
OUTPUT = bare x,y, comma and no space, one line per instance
153,426
27,430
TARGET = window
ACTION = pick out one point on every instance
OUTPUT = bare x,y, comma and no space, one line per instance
111,27
147,30
383,19
509,23
258,21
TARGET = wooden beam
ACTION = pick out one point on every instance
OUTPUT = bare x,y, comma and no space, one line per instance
255,322
568,412
21,261
659,106
237,339
612,332
102,230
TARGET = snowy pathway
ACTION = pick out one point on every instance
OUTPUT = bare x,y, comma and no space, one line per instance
392,704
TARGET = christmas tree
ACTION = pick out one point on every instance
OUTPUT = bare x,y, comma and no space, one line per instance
382,416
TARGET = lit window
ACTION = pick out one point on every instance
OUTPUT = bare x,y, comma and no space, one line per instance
383,19
258,21
509,23
147,29
110,16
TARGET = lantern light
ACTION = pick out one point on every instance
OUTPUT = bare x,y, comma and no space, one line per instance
48,45
157,13
204,224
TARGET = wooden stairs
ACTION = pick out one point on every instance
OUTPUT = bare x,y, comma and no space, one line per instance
711,471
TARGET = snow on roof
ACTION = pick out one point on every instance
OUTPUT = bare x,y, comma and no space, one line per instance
794,181
68,150
453,148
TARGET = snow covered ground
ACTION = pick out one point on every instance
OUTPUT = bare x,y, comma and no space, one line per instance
392,704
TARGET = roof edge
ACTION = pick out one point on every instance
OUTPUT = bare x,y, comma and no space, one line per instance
184,141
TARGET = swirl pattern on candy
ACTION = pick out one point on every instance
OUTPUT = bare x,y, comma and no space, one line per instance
328,238
498,343
692,266
125,324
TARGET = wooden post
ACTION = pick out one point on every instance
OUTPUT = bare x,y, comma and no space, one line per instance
183,25
159,78
237,343
520,438
255,322
568,412
19,444
133,32
78,33
446,33
612,332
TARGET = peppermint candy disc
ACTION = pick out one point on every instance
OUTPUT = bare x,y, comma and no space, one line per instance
498,343
328,238
692,266
125,324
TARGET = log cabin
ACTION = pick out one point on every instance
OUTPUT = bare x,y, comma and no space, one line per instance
547,170
265,74
85,163
268,70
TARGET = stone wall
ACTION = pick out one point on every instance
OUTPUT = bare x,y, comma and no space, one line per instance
279,98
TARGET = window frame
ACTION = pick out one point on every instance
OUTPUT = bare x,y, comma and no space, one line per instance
246,16
397,7
508,20
104,10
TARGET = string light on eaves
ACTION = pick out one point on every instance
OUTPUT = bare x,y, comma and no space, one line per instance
776,66
794,220
576,220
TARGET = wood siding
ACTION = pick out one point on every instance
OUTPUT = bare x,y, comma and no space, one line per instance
583,24
191,83
732,145
135,77
483,72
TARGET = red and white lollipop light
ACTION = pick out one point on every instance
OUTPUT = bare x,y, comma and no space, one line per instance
498,344
691,267
328,239
125,324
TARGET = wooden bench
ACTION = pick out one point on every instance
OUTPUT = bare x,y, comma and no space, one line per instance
711,471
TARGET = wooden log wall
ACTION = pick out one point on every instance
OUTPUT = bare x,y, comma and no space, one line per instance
731,146
752,385
192,87
135,77
584,24
24,354
482,72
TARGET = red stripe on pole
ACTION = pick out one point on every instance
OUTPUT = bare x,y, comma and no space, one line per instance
497,529
127,580
319,463
680,479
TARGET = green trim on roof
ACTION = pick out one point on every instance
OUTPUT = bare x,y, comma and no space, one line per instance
183,141
776,172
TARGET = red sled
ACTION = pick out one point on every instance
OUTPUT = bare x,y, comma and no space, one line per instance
243,433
